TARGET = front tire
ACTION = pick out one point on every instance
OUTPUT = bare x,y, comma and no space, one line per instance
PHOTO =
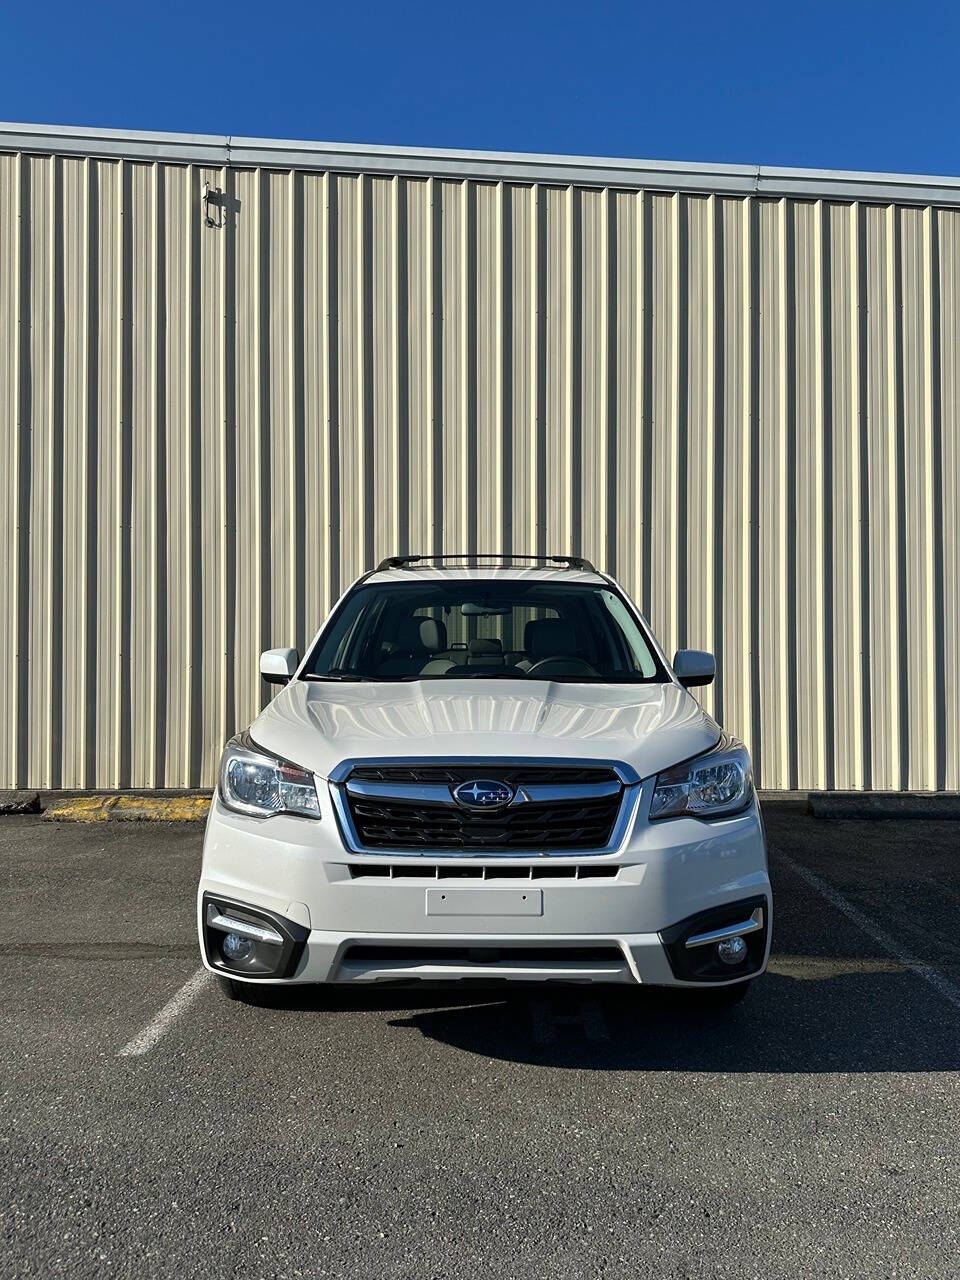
243,992
718,999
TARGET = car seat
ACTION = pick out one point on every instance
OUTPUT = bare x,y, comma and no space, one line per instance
547,638
418,640
484,652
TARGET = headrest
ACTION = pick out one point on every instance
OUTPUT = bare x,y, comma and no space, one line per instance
416,633
549,638
480,645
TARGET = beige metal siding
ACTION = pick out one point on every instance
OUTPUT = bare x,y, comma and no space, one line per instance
745,406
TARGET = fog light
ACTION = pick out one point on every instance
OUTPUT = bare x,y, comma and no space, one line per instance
732,950
237,948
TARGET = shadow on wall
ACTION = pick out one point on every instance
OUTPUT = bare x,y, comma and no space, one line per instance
877,1018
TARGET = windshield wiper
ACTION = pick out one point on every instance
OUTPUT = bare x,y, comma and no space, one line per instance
462,675
490,675
346,676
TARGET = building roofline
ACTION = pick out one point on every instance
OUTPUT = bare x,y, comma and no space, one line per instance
220,151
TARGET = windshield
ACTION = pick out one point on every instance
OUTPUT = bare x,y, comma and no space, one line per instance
476,629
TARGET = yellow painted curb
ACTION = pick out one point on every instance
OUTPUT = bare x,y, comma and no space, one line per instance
80,809
129,808
161,808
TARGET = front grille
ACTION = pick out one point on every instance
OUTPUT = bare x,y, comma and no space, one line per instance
556,825
516,775
409,806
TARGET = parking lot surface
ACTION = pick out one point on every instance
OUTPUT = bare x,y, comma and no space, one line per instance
150,1128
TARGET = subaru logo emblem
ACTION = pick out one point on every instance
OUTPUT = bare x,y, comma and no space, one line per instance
483,794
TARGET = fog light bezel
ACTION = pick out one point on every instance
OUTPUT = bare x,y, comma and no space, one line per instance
703,964
268,959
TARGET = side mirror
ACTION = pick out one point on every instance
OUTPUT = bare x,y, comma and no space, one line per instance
278,665
694,667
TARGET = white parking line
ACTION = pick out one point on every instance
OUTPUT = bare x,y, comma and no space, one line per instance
158,1025
943,986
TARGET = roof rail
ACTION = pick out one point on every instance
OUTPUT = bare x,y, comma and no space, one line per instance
406,562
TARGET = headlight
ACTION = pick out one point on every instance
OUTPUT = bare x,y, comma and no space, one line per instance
254,782
714,784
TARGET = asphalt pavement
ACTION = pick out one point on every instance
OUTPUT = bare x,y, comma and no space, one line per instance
150,1128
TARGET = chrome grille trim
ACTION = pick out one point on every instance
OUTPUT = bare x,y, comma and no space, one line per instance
340,787
541,793
450,774
624,772
422,791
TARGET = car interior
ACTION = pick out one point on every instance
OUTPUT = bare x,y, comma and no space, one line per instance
419,645
422,648
550,632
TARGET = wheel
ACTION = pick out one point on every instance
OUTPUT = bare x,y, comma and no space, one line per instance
720,998
273,995
243,992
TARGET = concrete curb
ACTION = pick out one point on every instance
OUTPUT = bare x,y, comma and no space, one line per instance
12,802
128,808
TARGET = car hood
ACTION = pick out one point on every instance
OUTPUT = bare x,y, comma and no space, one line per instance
649,726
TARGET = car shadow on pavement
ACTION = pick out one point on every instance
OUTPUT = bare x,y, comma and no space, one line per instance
852,1022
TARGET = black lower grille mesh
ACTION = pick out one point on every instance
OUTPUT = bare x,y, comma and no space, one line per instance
415,869
558,825
386,954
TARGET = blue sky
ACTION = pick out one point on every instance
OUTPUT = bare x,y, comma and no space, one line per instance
857,86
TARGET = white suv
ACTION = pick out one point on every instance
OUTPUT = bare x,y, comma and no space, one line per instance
485,769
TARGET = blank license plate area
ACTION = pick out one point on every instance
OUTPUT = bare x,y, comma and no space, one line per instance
484,902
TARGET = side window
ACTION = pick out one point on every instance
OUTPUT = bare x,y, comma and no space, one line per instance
339,661
349,654
640,656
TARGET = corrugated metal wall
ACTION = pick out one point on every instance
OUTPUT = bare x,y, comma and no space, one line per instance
746,408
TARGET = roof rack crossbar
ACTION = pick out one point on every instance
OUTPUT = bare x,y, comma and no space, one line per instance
405,562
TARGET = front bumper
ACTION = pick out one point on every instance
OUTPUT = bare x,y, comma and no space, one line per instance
363,919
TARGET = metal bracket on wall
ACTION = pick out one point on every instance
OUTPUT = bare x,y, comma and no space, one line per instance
214,206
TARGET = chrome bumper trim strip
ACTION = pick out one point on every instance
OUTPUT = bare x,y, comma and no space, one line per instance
731,931
259,933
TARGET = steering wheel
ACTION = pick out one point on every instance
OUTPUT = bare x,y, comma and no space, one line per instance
561,666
